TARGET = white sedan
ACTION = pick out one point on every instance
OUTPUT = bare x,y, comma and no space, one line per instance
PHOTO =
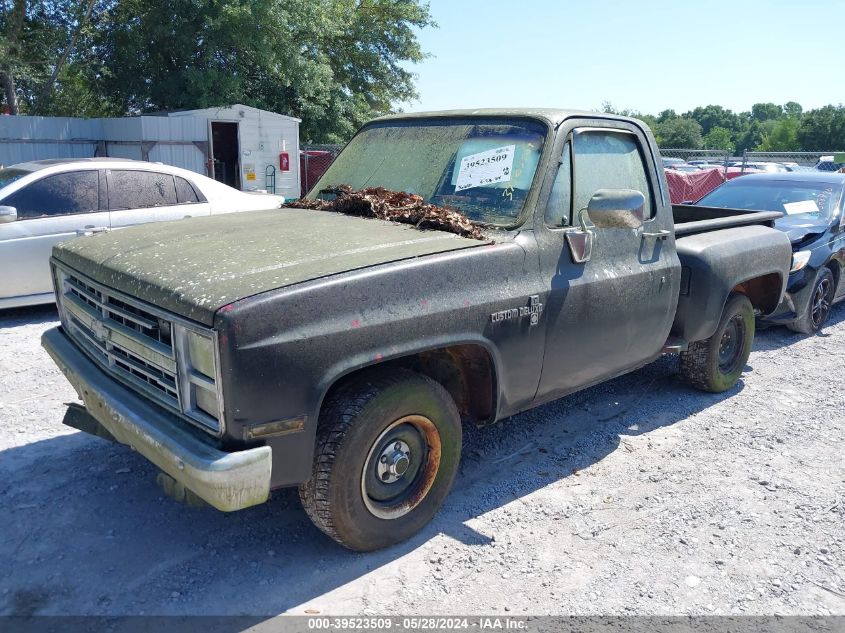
48,201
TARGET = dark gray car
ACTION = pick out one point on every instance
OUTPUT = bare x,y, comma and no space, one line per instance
342,354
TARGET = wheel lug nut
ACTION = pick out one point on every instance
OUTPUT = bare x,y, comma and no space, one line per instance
384,459
385,476
397,446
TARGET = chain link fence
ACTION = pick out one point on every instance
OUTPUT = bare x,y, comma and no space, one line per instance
752,162
714,157
314,160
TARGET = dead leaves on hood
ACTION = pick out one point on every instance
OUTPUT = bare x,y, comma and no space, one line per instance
394,206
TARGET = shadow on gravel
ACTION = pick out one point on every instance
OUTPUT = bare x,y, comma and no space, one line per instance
15,317
86,531
777,336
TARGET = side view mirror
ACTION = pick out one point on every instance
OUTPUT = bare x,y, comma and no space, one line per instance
617,209
8,214
580,242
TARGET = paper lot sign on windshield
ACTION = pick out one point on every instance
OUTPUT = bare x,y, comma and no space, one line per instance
486,168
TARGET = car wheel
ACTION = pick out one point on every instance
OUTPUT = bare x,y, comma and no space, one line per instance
387,450
818,309
716,363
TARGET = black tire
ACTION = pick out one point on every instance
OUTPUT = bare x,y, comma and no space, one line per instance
356,494
818,309
715,364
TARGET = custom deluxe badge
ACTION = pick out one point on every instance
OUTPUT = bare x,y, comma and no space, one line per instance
532,310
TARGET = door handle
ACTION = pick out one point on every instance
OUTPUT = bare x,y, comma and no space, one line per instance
90,229
662,234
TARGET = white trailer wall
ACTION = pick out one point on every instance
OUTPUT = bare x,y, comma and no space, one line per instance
26,138
262,137
181,139
178,141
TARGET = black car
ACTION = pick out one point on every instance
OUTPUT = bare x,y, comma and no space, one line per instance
813,206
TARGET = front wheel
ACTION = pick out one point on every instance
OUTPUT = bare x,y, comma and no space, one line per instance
820,303
387,450
716,363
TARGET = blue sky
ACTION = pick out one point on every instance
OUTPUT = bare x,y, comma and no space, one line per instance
645,55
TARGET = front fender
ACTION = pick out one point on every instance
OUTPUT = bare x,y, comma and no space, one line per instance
281,352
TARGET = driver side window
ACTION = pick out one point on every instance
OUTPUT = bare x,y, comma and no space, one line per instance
608,160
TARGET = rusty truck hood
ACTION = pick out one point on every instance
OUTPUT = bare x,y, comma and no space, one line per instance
194,267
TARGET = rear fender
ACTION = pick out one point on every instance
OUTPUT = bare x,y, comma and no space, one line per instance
751,260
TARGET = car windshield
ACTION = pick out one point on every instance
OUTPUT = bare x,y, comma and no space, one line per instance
816,200
11,174
482,166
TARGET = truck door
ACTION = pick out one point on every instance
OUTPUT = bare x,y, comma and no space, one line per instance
612,312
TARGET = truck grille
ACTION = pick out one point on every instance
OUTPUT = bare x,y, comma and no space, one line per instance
127,339
130,341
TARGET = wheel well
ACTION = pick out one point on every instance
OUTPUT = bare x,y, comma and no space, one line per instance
763,291
465,371
836,271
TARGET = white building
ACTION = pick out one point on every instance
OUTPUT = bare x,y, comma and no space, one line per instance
245,147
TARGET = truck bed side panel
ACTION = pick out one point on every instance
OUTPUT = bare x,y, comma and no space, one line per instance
691,219
715,263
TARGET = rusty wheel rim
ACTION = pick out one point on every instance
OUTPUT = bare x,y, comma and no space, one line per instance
401,467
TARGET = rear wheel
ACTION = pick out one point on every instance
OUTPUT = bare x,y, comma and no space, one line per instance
818,310
716,364
387,450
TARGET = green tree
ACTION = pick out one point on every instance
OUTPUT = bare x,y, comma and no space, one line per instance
766,111
333,63
793,110
40,40
679,132
822,129
719,138
666,115
782,138
713,116
750,137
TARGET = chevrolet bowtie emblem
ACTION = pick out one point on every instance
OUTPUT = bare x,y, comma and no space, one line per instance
101,332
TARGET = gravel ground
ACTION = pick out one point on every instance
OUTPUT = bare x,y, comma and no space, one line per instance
637,496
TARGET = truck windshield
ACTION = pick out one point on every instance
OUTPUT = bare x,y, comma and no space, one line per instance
484,167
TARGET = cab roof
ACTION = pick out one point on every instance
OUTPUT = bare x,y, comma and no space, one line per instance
553,116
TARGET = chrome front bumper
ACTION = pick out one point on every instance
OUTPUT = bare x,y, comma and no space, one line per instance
227,481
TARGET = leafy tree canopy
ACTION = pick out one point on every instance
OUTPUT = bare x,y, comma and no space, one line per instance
822,129
679,132
333,63
766,127
719,138
712,116
766,111
782,138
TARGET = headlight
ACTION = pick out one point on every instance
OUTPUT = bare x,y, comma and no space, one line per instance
197,356
799,260
200,353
